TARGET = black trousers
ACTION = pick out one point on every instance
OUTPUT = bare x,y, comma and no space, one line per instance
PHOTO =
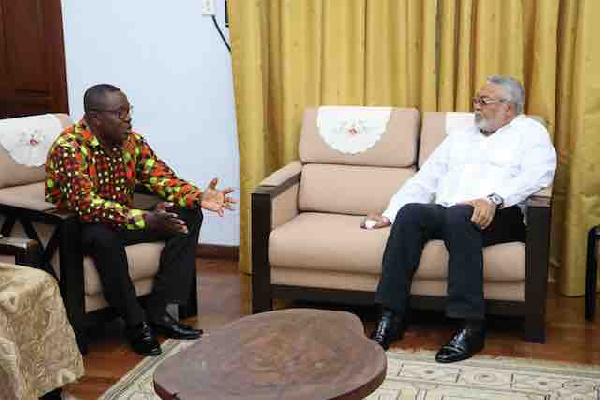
415,224
176,270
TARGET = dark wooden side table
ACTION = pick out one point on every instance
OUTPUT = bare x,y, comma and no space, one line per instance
289,354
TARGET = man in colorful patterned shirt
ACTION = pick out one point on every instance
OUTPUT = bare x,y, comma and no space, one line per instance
92,169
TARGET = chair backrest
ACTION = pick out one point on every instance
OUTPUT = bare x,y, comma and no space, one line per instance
12,173
362,182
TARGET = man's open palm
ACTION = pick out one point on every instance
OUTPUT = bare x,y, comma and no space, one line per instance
217,200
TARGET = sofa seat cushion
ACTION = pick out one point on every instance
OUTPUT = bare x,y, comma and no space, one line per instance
501,263
335,242
331,242
97,301
29,196
143,261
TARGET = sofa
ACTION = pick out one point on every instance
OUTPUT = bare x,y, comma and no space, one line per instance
307,242
25,213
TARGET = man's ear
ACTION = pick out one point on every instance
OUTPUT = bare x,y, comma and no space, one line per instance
511,110
92,118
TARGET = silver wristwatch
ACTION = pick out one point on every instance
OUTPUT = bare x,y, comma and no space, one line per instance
496,199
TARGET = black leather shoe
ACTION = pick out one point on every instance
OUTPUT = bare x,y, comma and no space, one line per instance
169,327
388,329
143,341
464,344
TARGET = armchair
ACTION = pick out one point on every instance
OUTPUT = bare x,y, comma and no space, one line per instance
307,244
24,213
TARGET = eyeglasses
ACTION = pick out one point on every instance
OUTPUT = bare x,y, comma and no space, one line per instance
121,113
486,101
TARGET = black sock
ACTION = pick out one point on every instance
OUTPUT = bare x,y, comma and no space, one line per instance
475,324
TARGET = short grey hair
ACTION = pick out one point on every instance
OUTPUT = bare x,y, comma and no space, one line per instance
513,88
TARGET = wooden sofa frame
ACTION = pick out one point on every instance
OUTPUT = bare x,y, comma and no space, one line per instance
533,309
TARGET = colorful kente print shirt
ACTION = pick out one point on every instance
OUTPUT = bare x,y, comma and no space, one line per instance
81,176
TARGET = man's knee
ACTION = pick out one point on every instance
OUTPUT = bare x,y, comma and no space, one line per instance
412,212
100,236
192,217
459,214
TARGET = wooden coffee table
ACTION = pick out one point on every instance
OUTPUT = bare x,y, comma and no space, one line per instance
289,354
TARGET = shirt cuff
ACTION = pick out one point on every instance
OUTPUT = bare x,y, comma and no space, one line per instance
135,219
391,215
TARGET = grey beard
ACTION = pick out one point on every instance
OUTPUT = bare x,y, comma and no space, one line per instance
482,123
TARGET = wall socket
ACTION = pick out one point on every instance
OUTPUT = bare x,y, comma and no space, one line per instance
207,7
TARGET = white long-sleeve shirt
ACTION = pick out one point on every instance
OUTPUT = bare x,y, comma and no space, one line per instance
514,162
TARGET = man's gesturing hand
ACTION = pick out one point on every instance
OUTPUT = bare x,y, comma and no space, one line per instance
483,212
217,200
374,221
160,220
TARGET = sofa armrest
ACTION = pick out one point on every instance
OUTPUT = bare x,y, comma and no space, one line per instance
281,190
280,176
26,251
540,199
274,202
537,258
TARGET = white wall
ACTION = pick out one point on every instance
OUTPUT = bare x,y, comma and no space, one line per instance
170,61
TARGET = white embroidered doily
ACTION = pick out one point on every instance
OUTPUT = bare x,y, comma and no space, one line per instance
352,129
28,139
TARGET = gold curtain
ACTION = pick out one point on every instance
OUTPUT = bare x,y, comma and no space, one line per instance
577,206
290,54
547,45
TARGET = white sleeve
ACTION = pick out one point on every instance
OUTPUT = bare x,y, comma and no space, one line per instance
538,165
422,187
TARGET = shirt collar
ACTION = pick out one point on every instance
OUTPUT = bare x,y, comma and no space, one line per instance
82,129
502,128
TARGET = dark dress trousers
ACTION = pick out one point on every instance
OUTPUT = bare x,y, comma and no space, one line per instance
415,224
176,270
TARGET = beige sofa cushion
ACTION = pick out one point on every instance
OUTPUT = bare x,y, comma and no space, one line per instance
502,262
13,173
333,242
97,301
433,133
396,148
333,187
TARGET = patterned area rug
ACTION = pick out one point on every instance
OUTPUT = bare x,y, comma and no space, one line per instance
416,376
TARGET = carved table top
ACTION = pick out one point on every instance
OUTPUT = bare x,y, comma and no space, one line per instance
289,354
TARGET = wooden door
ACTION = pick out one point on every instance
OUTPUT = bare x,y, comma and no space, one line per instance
32,58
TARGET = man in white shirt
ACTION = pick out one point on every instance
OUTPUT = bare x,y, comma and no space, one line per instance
469,193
